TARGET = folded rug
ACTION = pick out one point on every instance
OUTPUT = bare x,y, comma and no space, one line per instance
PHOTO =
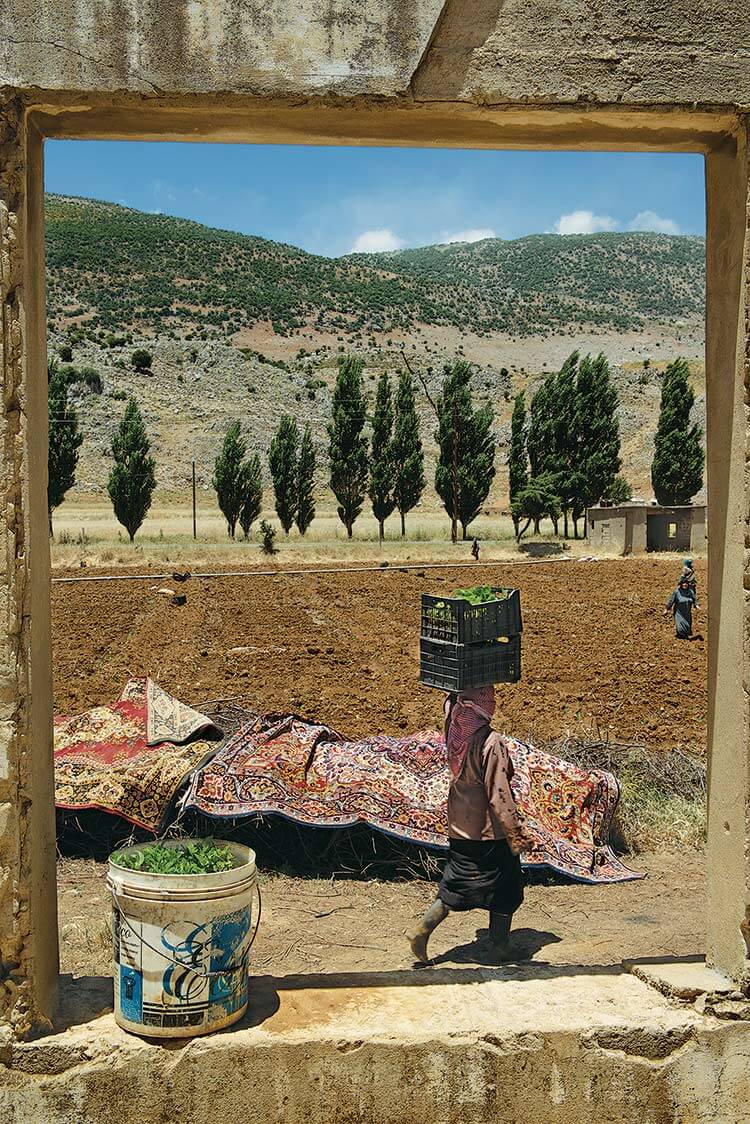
129,758
309,773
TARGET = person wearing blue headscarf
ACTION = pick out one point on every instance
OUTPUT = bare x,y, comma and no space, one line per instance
681,605
688,574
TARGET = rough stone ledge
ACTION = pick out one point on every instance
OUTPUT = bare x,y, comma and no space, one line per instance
538,1043
681,979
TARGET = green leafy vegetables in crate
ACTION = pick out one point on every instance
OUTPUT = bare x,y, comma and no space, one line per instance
202,857
477,595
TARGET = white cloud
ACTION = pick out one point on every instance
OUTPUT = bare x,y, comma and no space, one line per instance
584,222
473,234
376,242
649,220
162,190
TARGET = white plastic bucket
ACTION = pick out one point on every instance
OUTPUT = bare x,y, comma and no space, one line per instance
181,943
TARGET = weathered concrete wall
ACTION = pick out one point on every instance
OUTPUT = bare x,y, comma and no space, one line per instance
607,528
28,951
626,51
577,51
260,46
727,343
565,1045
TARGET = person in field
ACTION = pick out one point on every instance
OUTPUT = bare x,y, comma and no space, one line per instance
688,574
681,604
485,832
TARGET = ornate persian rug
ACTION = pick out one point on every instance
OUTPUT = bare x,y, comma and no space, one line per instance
284,765
131,757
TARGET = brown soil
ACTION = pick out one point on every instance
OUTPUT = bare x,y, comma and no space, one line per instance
598,654
343,925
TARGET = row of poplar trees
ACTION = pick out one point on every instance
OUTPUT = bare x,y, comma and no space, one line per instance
391,472
565,455
565,450
132,479
238,478
387,467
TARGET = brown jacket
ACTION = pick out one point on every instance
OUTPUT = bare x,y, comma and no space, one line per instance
480,801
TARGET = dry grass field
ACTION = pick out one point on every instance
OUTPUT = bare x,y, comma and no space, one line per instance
87,531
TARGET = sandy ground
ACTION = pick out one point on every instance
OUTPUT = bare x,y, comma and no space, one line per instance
598,655
309,925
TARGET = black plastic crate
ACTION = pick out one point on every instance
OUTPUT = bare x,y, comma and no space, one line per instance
457,667
456,621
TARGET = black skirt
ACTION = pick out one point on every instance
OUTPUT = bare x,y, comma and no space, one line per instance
482,874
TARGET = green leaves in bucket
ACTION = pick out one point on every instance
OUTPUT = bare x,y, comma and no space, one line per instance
204,856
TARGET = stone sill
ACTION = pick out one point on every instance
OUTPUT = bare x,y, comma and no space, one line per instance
537,1043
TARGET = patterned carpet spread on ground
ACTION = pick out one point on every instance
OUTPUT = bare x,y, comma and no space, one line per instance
129,758
284,765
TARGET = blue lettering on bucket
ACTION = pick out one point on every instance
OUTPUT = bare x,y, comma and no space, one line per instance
185,979
131,993
228,990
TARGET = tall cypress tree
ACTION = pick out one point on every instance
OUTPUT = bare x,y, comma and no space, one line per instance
677,468
132,479
466,462
382,473
573,435
282,460
347,442
228,480
64,440
553,439
305,482
408,456
518,458
565,464
251,486
540,435
598,433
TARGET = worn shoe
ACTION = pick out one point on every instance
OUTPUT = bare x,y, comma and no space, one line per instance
418,939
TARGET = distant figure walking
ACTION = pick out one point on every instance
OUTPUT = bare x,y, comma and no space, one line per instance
475,550
681,605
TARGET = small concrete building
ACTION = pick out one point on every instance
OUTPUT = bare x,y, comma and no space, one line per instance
632,528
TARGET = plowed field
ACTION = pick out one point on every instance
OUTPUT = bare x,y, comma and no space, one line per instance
343,648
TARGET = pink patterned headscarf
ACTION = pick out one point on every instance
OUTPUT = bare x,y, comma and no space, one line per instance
470,712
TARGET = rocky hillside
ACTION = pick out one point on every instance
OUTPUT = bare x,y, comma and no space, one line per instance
243,327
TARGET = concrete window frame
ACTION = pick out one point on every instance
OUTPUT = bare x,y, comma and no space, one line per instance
25,676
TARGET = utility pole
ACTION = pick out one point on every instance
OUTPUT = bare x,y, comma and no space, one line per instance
195,525
454,477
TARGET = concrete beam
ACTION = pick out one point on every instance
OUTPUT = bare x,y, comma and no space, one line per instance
394,122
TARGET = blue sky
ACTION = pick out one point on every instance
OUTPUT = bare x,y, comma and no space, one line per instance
335,200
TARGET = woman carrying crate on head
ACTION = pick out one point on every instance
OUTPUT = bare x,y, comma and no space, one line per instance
485,832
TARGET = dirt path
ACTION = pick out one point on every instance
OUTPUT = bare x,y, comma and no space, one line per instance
309,925
597,652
